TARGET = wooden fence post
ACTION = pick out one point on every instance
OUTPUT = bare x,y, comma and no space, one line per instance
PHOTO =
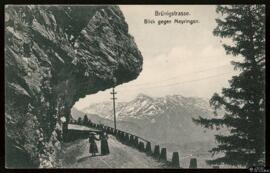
175,160
148,148
193,163
136,141
122,137
119,135
127,139
156,151
131,140
141,146
117,132
163,154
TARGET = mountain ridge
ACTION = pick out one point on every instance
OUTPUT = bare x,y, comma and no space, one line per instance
165,119
147,105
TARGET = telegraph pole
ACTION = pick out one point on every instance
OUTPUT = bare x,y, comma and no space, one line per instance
114,98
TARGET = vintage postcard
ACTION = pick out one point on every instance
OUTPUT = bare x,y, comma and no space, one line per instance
135,86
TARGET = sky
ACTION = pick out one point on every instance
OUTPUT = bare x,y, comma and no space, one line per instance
181,59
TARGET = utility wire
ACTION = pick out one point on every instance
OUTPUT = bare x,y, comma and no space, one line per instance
175,77
179,83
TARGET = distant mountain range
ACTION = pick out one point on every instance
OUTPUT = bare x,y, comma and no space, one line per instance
163,120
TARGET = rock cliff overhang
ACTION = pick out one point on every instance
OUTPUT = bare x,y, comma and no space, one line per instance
55,55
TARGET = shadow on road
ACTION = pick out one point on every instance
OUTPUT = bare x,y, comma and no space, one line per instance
86,157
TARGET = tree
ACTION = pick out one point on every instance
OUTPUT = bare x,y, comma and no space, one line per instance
85,120
79,121
244,100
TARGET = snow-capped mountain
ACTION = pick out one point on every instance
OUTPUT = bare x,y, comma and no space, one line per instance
163,119
146,107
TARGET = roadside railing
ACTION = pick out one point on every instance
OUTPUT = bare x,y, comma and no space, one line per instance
143,145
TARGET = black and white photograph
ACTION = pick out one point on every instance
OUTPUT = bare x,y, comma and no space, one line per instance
135,86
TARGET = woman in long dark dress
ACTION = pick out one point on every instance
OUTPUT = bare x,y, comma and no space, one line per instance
93,149
104,144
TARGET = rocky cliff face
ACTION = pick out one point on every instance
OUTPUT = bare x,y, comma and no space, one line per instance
55,55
